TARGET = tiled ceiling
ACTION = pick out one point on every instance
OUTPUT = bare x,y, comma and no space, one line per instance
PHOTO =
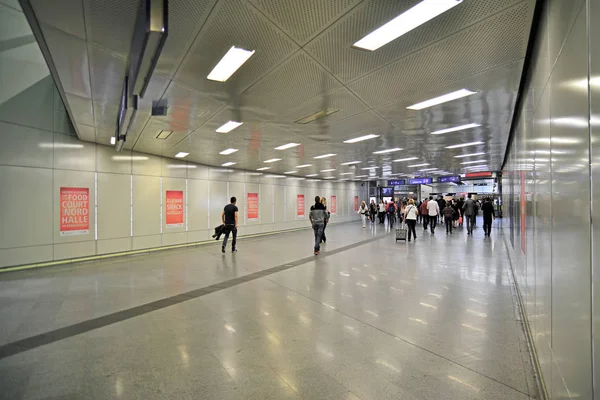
304,63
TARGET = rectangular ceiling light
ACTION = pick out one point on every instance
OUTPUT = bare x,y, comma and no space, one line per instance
329,177
427,169
406,159
441,99
113,140
361,138
304,166
287,146
351,163
230,63
227,152
387,151
369,168
405,22
313,117
456,128
417,165
228,164
163,135
328,170
290,172
469,155
228,127
263,168
324,156
311,175
348,173
272,160
182,154
456,146
474,162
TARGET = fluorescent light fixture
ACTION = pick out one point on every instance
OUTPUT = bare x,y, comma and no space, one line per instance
441,99
230,63
369,168
227,152
456,146
406,159
361,138
113,140
427,169
351,163
228,164
348,173
290,172
362,176
228,127
387,151
181,154
179,166
272,160
287,146
328,170
324,156
60,146
263,168
304,166
129,158
329,177
469,155
163,135
311,175
405,22
474,162
417,165
276,176
313,117
456,128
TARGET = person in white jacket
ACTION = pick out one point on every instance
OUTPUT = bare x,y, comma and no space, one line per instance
434,209
363,210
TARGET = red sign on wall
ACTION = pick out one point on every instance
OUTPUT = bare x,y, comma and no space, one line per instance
333,208
74,211
252,206
356,203
174,209
300,206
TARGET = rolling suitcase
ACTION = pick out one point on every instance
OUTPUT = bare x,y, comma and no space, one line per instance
401,232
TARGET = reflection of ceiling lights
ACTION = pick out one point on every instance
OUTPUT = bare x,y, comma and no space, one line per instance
129,158
230,63
456,146
474,162
324,156
311,175
228,164
272,160
287,146
456,128
182,154
60,146
227,152
313,117
290,172
441,99
361,138
304,166
328,170
418,15
347,173
351,163
228,127
469,155
406,159
387,151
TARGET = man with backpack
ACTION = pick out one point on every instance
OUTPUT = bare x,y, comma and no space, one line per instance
392,208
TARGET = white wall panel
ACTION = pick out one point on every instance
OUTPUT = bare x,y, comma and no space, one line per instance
237,190
197,172
291,199
26,212
146,164
108,160
279,204
199,236
25,255
169,239
265,203
64,251
146,205
71,153
173,168
172,184
21,146
76,179
108,246
114,206
146,242
197,205
218,200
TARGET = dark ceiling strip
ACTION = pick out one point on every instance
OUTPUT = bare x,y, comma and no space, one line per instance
525,74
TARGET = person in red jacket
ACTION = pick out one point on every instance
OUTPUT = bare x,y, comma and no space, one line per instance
425,214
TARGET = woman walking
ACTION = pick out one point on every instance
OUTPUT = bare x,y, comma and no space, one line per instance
363,211
411,213
381,210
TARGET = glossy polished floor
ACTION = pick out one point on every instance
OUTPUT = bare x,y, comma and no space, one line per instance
368,319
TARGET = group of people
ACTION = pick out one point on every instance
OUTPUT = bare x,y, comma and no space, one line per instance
430,212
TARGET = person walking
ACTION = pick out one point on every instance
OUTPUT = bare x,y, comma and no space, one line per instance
433,209
448,213
372,211
424,211
442,203
229,217
410,217
488,216
392,208
381,212
469,213
317,217
328,214
363,211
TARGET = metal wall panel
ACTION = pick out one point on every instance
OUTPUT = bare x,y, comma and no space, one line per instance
114,206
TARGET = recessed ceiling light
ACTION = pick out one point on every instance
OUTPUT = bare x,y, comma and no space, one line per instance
324,156
362,176
263,168
361,138
304,166
456,146
405,22
328,170
228,164
369,168
351,163
230,63
226,152
329,177
228,127
417,165
456,128
441,99
469,155
287,146
113,140
427,169
406,159
474,162
290,172
272,160
387,151
348,173
311,175
182,154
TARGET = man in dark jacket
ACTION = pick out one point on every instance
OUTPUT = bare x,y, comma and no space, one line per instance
488,216
317,216
469,211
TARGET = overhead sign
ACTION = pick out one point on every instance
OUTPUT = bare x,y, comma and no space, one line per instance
446,179
74,211
252,206
419,181
397,182
174,209
300,207
478,175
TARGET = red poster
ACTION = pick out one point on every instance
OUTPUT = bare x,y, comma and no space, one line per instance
252,206
300,206
74,211
523,215
333,208
174,209
356,203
